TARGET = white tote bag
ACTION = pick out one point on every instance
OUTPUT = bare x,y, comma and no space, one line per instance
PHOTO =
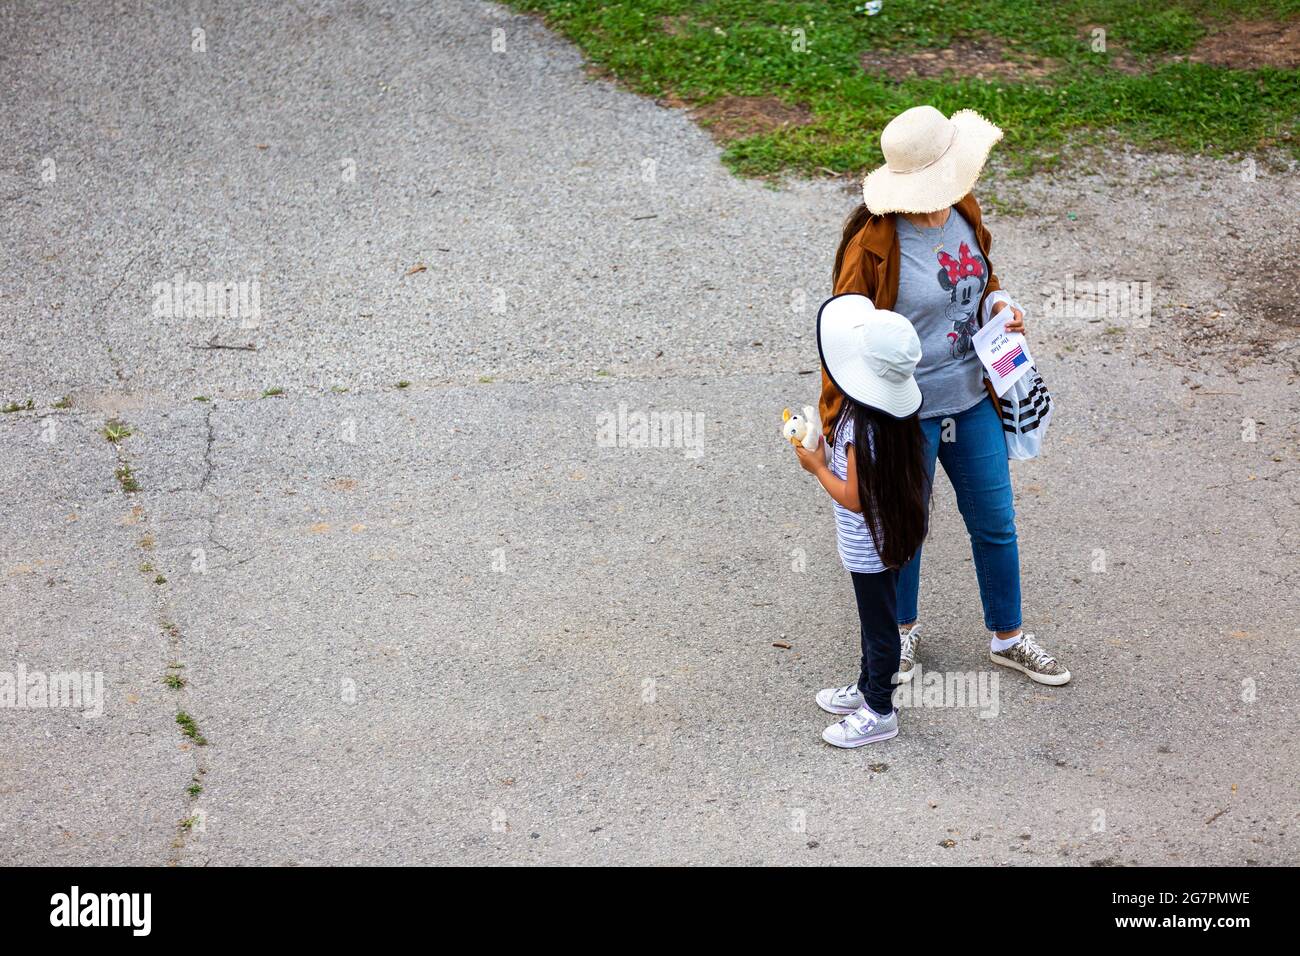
1026,410
1026,407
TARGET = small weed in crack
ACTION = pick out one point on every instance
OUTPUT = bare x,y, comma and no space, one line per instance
272,392
126,478
26,406
116,430
191,729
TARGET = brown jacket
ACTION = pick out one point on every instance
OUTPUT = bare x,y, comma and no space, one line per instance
870,267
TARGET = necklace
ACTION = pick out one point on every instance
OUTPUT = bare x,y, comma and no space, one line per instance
942,229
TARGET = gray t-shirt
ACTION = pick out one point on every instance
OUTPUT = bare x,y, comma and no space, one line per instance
941,279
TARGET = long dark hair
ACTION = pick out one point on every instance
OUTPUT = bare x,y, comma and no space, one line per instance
893,487
852,226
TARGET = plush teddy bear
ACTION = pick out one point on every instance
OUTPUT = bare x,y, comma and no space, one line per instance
802,429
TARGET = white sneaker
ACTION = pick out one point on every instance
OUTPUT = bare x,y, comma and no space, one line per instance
840,700
860,728
909,640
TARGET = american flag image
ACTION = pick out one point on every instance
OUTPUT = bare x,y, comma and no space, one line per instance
1004,365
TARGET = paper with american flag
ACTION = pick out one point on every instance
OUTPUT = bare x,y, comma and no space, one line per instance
1005,354
1010,360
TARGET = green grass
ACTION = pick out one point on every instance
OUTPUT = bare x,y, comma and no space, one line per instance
130,484
191,729
739,47
26,406
273,392
115,430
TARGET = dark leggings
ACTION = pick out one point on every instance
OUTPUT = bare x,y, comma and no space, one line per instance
877,600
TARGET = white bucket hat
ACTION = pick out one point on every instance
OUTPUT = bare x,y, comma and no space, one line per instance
869,353
930,161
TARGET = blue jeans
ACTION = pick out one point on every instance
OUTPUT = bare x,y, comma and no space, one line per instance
975,460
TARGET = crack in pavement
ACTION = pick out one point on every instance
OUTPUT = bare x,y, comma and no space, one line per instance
147,545
209,469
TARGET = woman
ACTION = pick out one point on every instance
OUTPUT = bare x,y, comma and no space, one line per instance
918,246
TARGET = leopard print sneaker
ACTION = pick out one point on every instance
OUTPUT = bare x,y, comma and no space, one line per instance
1031,660
908,641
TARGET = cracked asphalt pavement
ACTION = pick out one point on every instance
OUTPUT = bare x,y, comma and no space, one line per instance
419,614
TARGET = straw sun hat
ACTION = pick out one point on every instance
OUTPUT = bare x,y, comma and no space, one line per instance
931,161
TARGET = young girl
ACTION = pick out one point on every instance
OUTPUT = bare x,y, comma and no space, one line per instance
878,480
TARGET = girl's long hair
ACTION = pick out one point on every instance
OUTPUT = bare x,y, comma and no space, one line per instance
852,226
893,487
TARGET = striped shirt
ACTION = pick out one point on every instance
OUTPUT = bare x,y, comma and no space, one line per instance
857,550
